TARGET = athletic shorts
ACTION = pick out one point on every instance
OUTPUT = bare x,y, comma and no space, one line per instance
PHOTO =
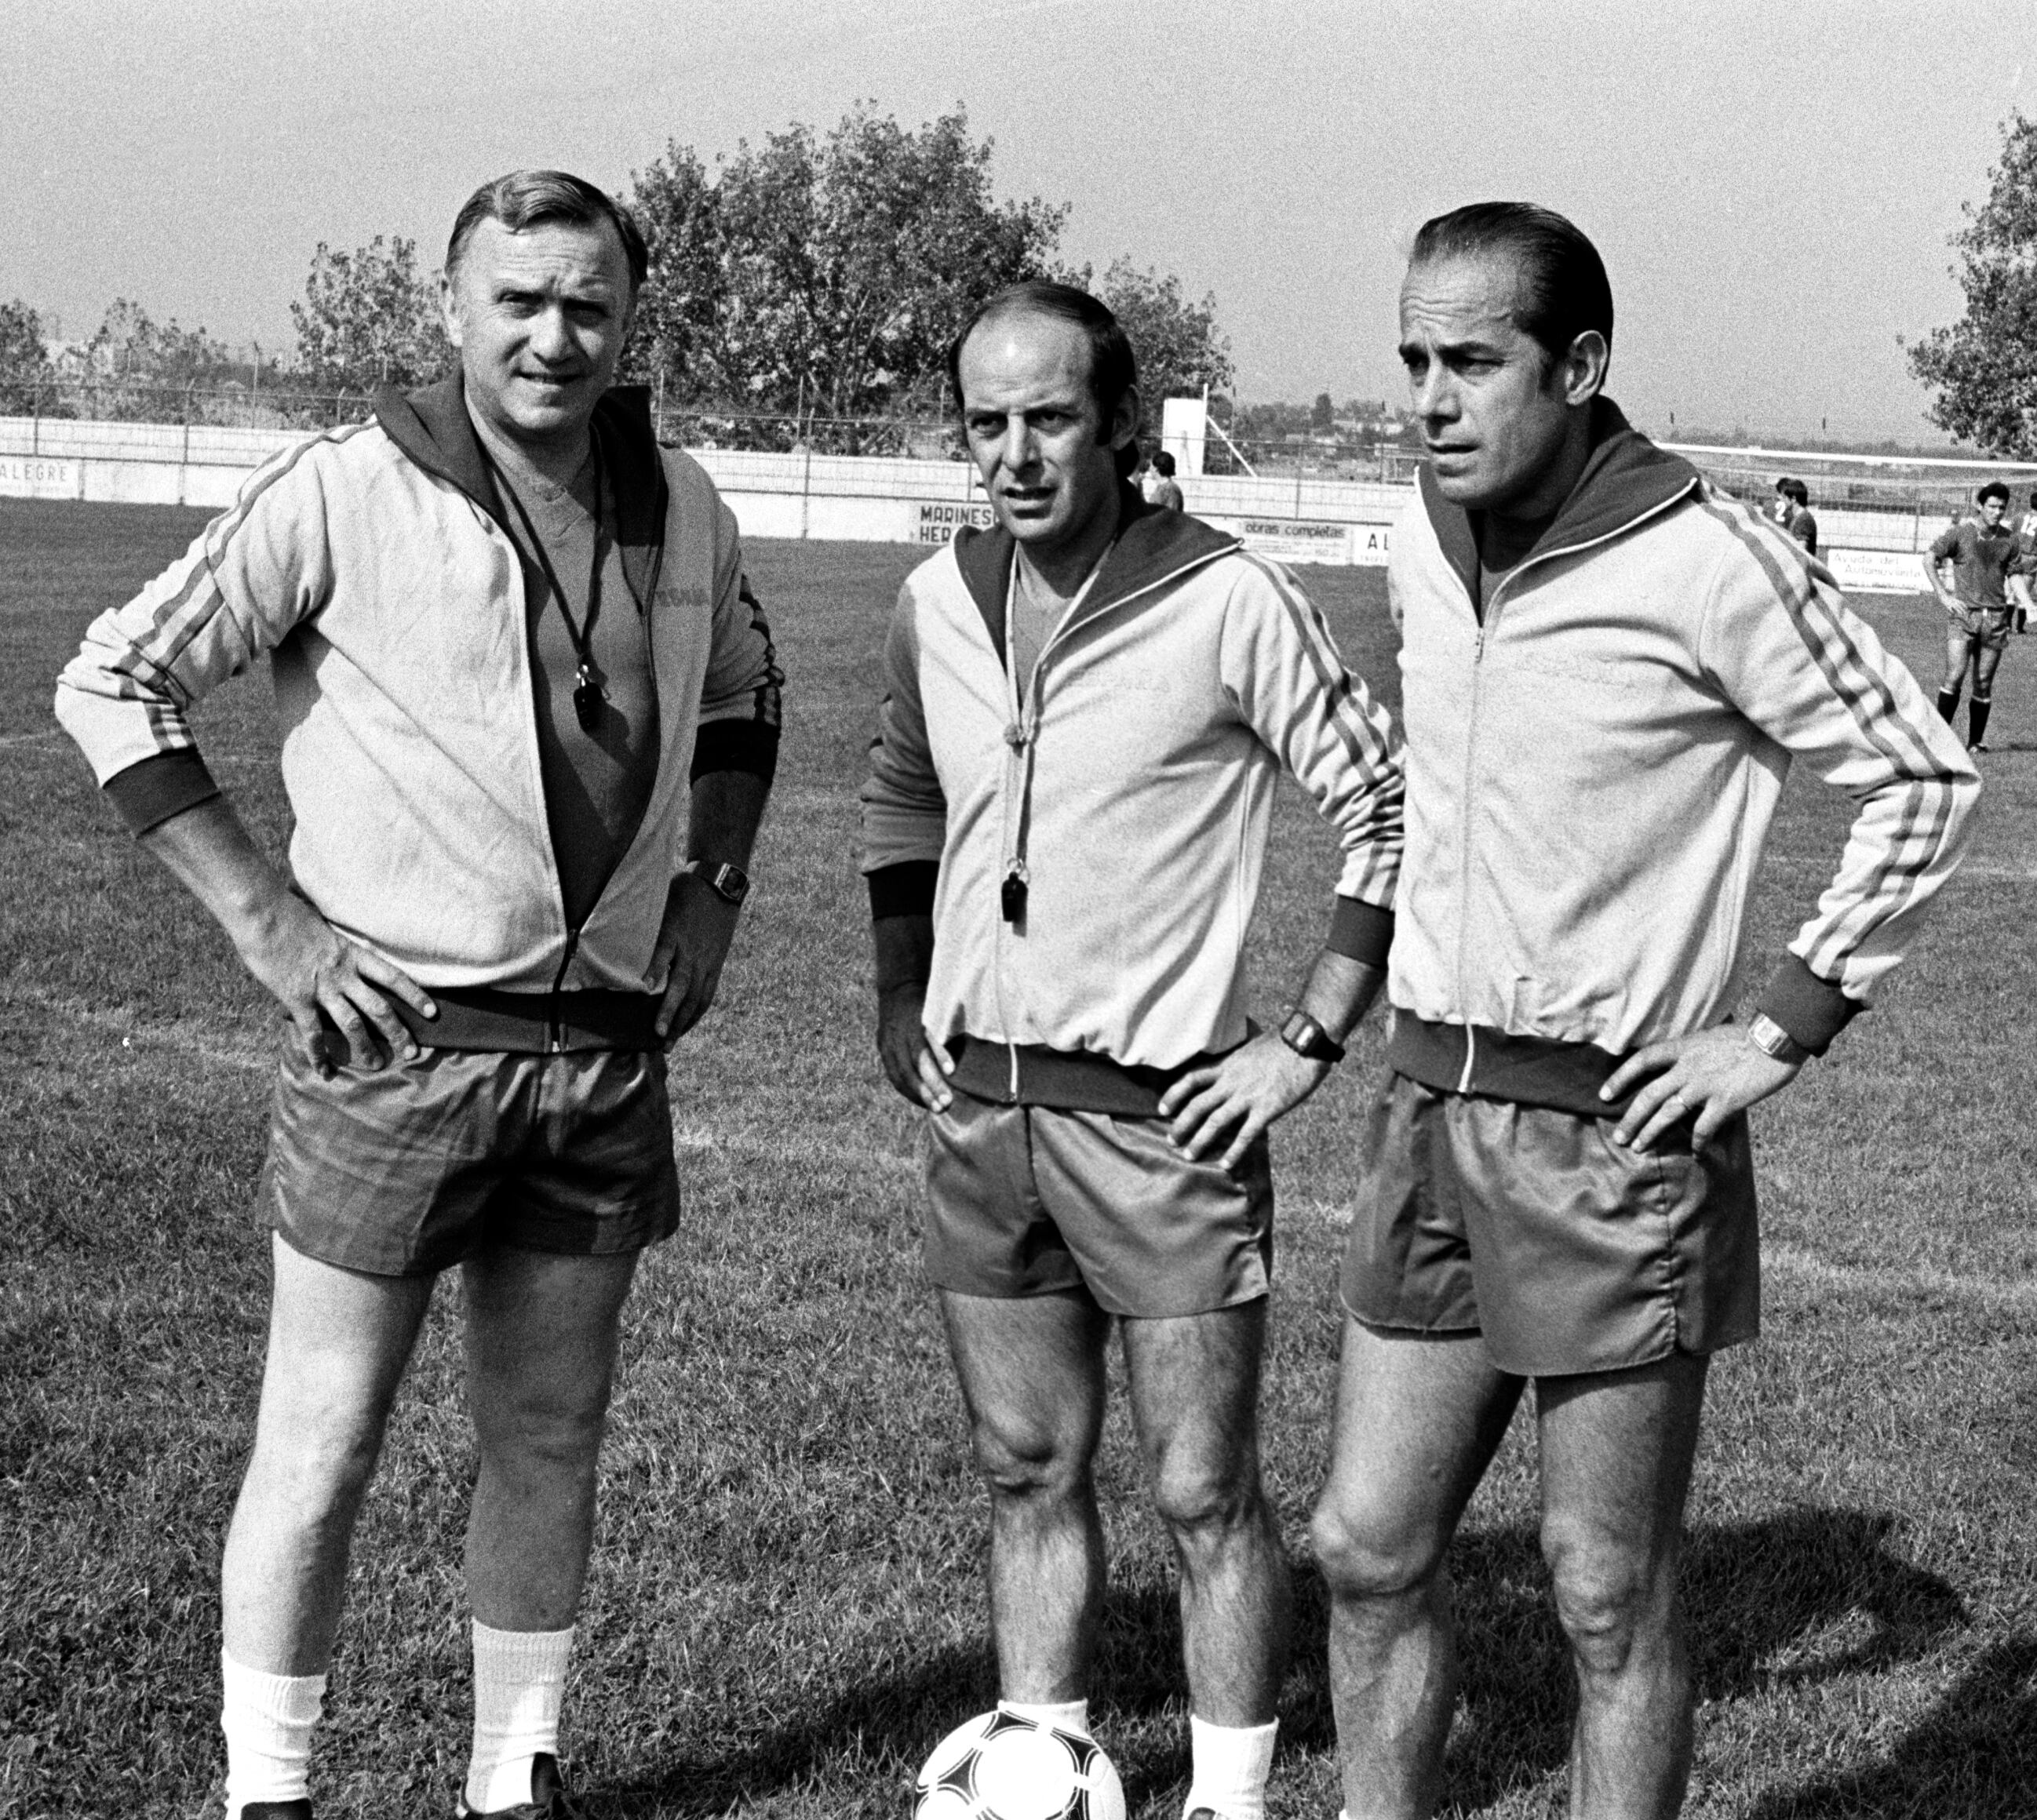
1567,1251
1986,626
1034,1200
405,1170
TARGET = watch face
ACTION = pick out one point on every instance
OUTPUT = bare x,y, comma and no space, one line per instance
731,881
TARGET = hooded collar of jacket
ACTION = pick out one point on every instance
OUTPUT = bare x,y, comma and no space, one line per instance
1154,543
1626,478
431,428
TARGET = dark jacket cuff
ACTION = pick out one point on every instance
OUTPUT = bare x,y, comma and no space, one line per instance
747,746
150,792
1360,931
1813,1011
905,889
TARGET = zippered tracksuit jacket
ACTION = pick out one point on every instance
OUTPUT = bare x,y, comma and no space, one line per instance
370,563
1132,786
1594,759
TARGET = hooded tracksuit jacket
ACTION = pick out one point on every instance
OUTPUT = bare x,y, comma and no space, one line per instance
1129,790
370,563
1594,755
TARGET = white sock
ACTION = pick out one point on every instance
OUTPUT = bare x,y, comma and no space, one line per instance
1068,1715
519,1681
1231,1764
267,1720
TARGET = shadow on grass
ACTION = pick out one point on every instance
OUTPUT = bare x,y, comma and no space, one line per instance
1803,1596
1973,1756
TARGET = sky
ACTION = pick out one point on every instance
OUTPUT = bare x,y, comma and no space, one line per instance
1772,186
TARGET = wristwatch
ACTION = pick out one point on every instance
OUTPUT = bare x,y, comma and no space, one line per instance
1308,1039
730,883
1774,1042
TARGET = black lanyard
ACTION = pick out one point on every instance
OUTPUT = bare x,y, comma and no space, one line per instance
588,696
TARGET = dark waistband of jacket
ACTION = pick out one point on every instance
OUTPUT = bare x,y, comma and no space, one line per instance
485,1018
1068,1080
1497,1064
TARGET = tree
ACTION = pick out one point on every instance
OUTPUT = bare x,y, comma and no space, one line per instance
24,359
1322,414
368,316
1984,366
824,277
679,311
1179,348
133,360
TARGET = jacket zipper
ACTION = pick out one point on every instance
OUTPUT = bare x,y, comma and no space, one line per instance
1487,622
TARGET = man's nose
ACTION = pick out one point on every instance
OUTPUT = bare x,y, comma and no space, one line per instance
1434,397
551,335
1021,443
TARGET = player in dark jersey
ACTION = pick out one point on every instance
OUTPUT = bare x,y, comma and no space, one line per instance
1968,567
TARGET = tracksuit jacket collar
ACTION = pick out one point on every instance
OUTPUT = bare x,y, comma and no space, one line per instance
1154,543
1626,479
431,428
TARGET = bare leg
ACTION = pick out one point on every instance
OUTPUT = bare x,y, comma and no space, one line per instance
338,1342
541,1341
1032,1373
1959,650
1195,1403
1616,1454
1418,1419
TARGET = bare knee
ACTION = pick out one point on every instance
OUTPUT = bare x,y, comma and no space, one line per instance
539,1431
1368,1553
1023,1463
1610,1599
1199,1500
313,1459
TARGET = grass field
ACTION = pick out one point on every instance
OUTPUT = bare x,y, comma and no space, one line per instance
784,1612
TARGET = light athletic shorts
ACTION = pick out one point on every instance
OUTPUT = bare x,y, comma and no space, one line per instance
1034,1201
405,1170
1567,1252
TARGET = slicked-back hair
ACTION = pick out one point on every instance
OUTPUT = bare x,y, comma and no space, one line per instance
1113,369
1994,490
1563,290
529,199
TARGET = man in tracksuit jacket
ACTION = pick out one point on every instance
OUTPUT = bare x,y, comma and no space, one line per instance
1087,711
530,716
1608,671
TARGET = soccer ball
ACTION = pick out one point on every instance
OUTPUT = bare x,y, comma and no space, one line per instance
1001,1767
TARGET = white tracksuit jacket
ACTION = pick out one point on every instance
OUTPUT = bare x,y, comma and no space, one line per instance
1135,789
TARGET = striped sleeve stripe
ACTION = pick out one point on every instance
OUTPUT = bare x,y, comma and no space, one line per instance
220,532
1916,848
1368,749
1362,740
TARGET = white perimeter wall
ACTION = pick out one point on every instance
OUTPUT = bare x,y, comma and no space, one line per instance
854,499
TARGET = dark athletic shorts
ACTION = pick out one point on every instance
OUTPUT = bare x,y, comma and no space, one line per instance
1986,626
404,1171
1567,1252
1031,1200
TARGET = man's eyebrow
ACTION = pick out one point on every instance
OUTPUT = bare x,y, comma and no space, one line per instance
1470,345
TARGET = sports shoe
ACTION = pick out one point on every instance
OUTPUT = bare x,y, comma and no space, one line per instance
549,1799
276,1810
1978,745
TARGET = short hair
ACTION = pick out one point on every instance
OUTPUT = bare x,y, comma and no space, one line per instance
1794,489
1113,368
527,198
1563,291
1165,463
1994,490
1782,485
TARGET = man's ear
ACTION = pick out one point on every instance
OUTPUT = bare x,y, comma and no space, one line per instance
1581,371
1124,419
448,307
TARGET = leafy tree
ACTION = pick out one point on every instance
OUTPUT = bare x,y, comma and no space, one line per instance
1180,349
675,333
1322,414
367,316
24,358
824,276
133,360
1984,366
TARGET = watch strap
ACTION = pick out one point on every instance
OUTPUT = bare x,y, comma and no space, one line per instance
1308,1039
